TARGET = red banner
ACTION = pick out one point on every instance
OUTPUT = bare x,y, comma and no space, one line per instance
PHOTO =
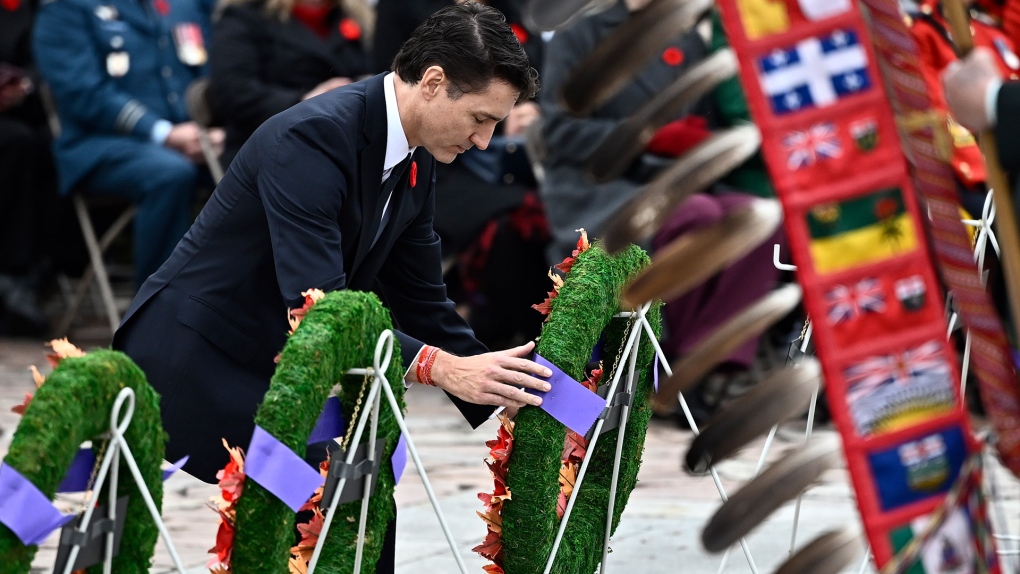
814,88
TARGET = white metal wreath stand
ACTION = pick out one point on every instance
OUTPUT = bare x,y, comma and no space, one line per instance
110,466
629,355
381,361
118,447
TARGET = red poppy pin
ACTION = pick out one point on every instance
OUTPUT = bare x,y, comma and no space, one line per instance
673,56
350,30
520,32
161,6
11,5
414,173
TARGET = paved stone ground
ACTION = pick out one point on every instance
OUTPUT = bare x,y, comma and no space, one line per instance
659,532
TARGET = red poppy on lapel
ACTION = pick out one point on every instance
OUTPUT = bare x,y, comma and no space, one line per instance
350,30
161,6
673,56
414,173
11,5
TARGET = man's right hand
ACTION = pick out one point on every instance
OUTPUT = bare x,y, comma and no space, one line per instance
183,137
492,378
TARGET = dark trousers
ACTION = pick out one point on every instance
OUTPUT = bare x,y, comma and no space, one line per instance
161,183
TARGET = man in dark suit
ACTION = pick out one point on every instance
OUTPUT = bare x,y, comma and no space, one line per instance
337,192
980,100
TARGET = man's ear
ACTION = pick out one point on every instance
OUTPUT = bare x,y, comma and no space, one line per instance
431,82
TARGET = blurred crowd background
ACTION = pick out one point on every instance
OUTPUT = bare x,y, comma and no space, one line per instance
139,105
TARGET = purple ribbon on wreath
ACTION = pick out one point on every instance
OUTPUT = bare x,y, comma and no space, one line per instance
568,401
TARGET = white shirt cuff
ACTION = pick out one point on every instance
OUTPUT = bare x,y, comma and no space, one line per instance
407,381
160,131
991,101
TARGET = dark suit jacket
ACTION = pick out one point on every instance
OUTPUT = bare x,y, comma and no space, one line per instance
260,66
298,208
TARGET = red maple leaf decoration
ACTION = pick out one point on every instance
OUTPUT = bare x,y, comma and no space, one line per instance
491,547
62,349
310,531
231,481
224,542
545,307
20,409
499,453
582,246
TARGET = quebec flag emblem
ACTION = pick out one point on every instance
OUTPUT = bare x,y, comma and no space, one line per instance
815,73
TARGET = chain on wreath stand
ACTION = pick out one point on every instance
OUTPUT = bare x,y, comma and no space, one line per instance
349,432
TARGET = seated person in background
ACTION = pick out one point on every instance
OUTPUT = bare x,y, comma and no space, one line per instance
487,210
26,172
271,54
982,99
573,202
931,31
118,70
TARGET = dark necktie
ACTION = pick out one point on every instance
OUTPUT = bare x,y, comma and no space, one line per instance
396,175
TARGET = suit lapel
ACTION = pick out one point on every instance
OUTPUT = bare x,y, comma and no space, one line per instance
371,169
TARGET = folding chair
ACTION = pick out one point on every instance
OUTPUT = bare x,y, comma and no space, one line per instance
96,247
96,271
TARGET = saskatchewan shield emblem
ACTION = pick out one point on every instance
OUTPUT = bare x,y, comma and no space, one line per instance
865,134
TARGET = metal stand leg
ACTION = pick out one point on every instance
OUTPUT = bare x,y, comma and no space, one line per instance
694,428
624,417
373,395
635,333
96,269
119,447
372,434
383,354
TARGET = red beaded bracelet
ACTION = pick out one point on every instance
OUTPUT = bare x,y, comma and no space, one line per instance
426,358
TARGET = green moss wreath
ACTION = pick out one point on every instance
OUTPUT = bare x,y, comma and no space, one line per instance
580,314
338,333
71,408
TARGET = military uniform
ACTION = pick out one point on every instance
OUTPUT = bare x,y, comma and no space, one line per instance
118,70
931,30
